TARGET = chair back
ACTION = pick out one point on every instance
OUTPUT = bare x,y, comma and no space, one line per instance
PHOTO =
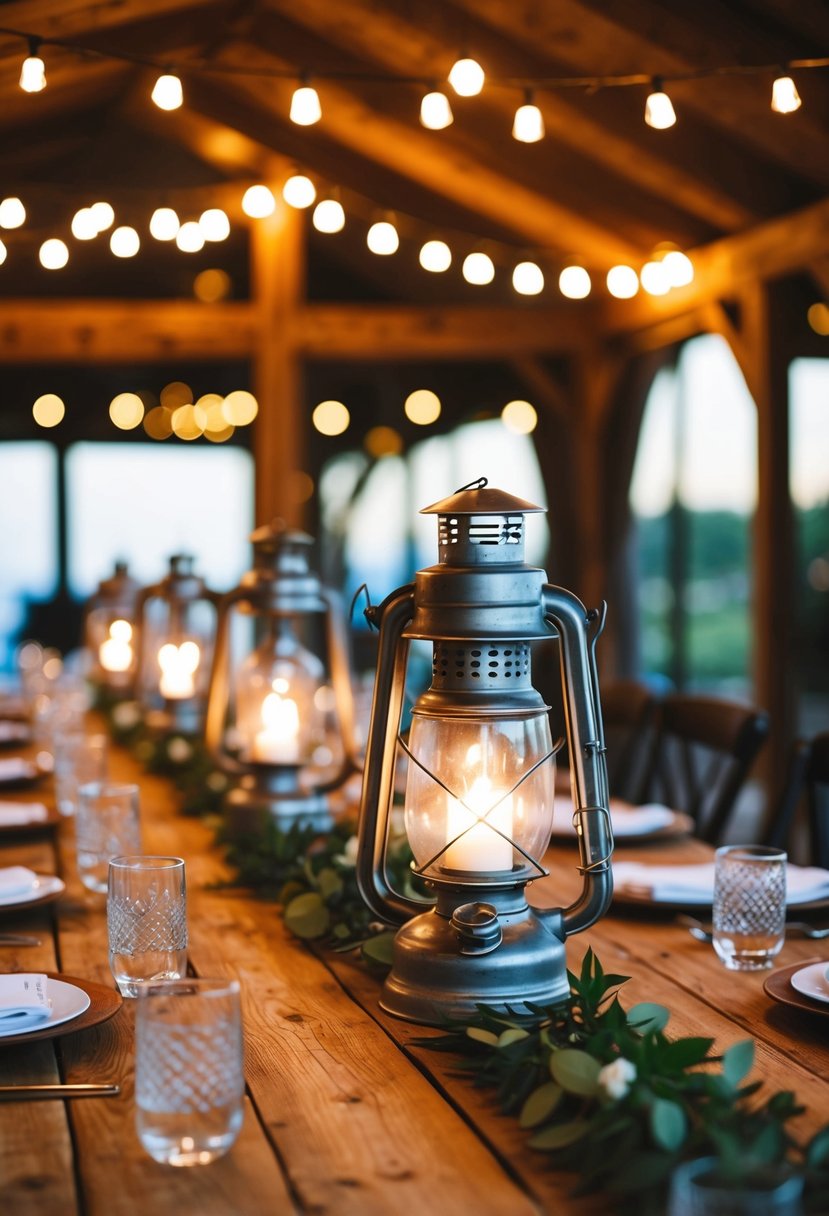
702,752
628,708
817,778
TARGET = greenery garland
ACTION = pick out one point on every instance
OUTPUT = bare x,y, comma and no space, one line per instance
603,1091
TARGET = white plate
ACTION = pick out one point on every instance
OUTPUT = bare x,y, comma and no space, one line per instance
628,822
67,1002
47,885
811,981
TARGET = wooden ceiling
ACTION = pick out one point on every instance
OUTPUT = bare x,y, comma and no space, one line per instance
602,186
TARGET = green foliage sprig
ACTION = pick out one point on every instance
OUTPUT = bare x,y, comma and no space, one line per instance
609,1096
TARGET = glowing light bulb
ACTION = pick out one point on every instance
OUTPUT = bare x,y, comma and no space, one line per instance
519,417
478,269
679,267
622,282
305,106
258,202
466,77
48,410
178,665
382,238
3,253
164,224
435,256
331,418
54,254
103,215
115,652
214,224
278,740
12,213
422,407
528,124
299,191
436,112
659,109
574,283
167,92
190,238
33,70
528,279
329,216
126,411
125,242
655,278
83,225
785,98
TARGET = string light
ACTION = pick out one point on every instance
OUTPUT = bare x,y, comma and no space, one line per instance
103,215
435,111
478,269
382,238
519,417
331,418
212,285
190,238
679,267
622,282
422,407
4,253
83,226
466,77
655,278
528,124
785,98
12,213
48,410
167,92
329,216
574,283
258,202
435,256
240,407
528,279
305,106
214,224
164,224
299,191
54,254
125,242
659,109
126,411
33,69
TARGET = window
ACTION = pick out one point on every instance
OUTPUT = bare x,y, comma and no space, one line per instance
28,523
693,495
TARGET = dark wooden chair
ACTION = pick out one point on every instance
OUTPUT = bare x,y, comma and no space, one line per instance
807,777
628,708
702,751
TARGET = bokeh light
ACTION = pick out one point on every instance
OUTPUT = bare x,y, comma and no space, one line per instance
383,441
126,411
176,393
422,407
212,285
240,407
519,417
54,254
158,422
331,418
185,423
48,410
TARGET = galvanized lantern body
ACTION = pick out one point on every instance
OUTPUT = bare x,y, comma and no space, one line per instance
176,629
479,797
280,717
109,633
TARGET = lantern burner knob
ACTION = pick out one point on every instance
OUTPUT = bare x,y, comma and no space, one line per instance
478,928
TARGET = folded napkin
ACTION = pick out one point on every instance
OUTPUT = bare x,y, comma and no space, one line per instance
17,880
674,884
13,732
626,820
16,814
24,1002
15,768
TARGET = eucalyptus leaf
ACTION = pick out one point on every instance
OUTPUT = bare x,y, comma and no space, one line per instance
379,949
514,1035
329,883
575,1071
738,1061
646,1017
307,916
479,1035
540,1104
561,1135
668,1124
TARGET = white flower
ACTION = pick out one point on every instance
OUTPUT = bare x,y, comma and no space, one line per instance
616,1078
348,857
126,715
179,750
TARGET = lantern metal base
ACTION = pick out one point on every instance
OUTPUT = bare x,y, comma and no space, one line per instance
177,718
509,955
273,793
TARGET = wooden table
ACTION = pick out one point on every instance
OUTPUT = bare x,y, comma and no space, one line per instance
343,1114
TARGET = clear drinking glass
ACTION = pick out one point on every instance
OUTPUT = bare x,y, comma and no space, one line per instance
696,1190
106,824
80,759
146,921
189,1080
749,905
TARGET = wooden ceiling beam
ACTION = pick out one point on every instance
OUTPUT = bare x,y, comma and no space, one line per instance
73,20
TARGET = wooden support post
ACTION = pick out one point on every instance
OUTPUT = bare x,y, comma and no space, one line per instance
278,285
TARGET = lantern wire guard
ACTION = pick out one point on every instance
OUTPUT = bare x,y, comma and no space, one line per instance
109,633
269,762
480,783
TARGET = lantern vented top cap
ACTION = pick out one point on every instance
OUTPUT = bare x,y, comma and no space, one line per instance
479,498
277,535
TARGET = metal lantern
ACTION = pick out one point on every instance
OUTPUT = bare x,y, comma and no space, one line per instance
280,719
176,628
109,632
479,794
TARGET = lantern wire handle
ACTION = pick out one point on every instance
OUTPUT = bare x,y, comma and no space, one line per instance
477,484
527,856
600,862
361,590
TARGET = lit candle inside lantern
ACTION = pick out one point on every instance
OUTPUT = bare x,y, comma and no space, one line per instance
178,665
481,848
278,741
115,654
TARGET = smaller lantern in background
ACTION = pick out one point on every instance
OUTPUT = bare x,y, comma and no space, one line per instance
176,621
280,719
109,633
